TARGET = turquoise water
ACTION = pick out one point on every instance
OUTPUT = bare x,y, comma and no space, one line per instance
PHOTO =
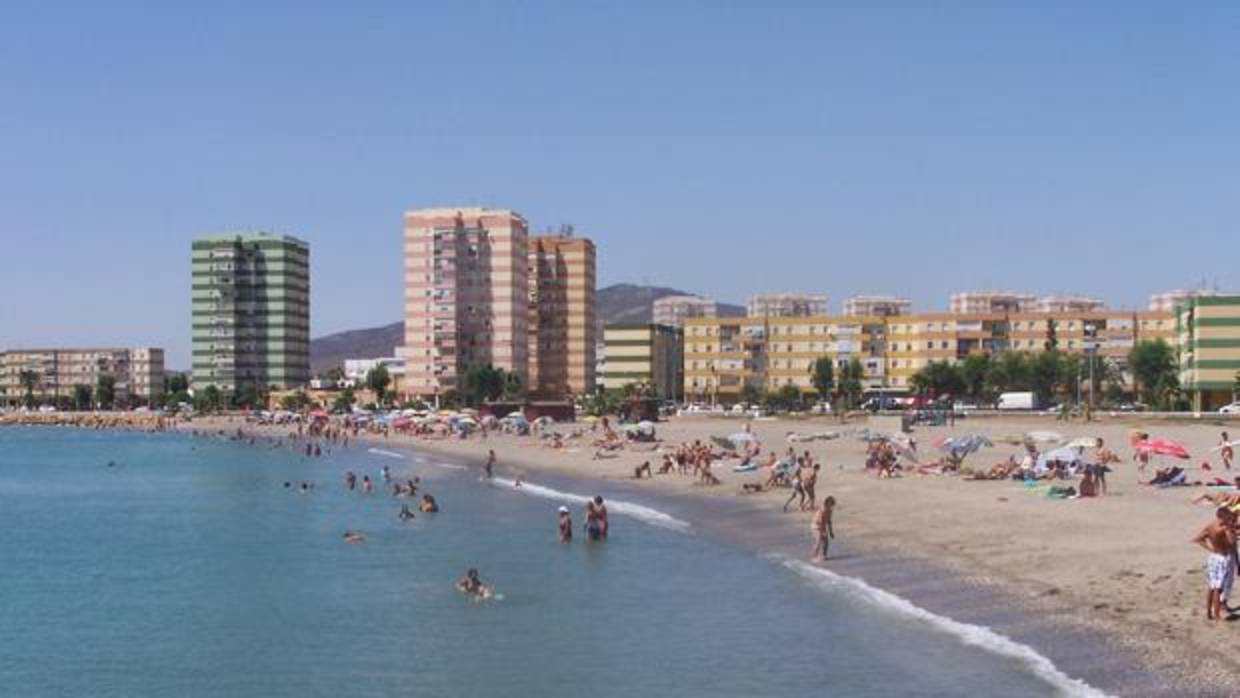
188,570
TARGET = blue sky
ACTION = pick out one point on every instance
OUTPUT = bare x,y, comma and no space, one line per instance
726,148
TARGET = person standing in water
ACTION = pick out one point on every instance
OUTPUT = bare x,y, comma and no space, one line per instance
489,468
823,530
566,525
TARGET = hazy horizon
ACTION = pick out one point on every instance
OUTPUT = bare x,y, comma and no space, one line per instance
836,149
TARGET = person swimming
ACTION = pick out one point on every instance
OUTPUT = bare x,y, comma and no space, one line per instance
428,505
354,537
472,584
405,513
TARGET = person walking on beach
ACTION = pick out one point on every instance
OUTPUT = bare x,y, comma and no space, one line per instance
566,525
807,484
797,489
1218,538
1225,451
823,530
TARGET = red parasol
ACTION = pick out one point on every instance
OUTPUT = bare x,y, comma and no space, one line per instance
1163,447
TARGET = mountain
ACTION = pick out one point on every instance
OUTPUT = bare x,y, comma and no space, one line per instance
369,343
617,303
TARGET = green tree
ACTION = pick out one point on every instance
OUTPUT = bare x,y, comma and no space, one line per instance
1046,374
1235,387
973,372
482,383
788,397
295,402
823,377
175,383
752,394
1155,372
939,378
209,399
83,397
249,396
28,380
105,391
378,380
450,400
344,401
851,386
512,386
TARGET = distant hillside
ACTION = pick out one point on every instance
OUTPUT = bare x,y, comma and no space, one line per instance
369,343
617,303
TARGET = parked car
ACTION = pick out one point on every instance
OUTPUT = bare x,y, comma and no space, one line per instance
1233,408
821,408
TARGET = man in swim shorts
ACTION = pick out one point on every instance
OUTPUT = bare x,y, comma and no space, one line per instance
1218,538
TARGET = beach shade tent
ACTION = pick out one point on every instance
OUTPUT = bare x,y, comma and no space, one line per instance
1043,437
1085,442
1164,447
742,437
489,421
544,421
960,446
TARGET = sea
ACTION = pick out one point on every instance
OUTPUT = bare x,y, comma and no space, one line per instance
136,564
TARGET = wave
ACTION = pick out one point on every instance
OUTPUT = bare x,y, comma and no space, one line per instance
645,514
449,466
389,454
968,633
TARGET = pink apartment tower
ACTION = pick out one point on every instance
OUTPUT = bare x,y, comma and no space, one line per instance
466,296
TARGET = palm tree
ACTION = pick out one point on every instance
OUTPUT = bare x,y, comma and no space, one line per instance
28,380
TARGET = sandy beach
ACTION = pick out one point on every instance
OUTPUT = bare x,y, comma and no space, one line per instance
1120,565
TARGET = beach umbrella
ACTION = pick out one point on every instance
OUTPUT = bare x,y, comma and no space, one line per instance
1039,436
544,421
1164,447
319,414
646,426
1064,455
589,419
722,442
1085,442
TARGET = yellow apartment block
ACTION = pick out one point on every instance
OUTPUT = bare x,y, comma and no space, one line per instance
644,354
722,355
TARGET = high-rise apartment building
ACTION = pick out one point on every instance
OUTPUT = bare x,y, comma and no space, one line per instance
53,375
992,302
786,305
466,296
1068,304
251,312
674,310
562,322
1167,301
877,306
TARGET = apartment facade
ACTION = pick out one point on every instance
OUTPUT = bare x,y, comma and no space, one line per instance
649,354
794,345
466,296
1208,337
1068,304
562,323
251,312
674,310
55,373
786,305
722,356
880,306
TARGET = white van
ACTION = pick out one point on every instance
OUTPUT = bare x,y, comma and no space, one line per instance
1017,401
